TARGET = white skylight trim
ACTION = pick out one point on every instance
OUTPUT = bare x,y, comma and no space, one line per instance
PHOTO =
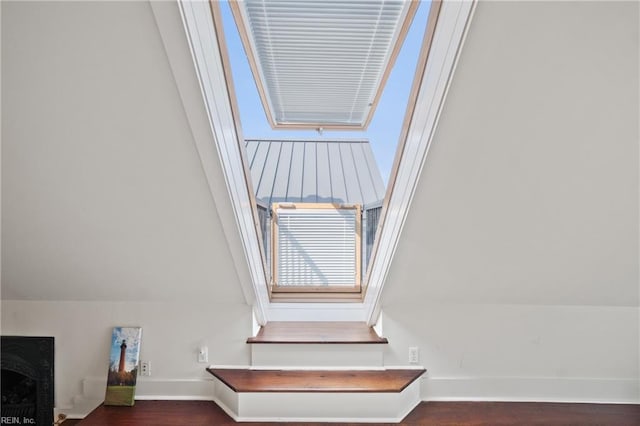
321,63
453,21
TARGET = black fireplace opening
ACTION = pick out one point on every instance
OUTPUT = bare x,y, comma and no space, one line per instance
27,380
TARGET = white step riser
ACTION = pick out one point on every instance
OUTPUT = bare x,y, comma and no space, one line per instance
318,406
317,355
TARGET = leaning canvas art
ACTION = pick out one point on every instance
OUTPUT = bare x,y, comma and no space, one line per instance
123,366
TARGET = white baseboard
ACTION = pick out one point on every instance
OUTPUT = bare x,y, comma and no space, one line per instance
93,390
177,389
148,388
531,389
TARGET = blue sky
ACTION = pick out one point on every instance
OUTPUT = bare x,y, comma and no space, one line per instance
384,129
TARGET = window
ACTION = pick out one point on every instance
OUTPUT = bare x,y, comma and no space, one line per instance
436,62
316,247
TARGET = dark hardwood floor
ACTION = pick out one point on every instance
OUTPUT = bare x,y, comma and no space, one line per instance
195,413
522,413
247,380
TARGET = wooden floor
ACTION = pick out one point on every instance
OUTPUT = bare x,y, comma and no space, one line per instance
246,380
316,332
196,413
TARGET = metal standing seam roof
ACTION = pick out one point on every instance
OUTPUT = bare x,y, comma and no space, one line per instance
314,171
321,63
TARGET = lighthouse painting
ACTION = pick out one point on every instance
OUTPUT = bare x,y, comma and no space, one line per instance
123,366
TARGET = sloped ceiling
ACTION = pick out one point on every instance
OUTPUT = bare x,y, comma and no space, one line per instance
530,190
103,194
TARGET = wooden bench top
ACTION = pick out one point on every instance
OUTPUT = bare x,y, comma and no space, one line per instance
248,380
316,332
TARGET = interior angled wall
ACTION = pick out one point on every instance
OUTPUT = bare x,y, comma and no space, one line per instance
517,271
107,219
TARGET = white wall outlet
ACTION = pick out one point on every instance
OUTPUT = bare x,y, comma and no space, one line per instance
203,354
145,368
414,355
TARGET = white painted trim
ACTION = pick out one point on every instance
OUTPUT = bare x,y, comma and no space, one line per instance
225,408
319,419
229,366
530,389
179,389
316,368
452,25
378,326
255,324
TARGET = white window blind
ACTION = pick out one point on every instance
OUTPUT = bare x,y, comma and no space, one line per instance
317,247
322,62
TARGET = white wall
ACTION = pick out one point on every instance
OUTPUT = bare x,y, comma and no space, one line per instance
107,218
0,160
172,332
517,270
638,13
103,191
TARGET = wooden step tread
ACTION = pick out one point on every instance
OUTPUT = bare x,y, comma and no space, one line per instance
247,380
316,332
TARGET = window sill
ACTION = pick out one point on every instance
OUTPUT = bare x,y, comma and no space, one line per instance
298,296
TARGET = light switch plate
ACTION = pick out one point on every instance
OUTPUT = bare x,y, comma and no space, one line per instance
203,354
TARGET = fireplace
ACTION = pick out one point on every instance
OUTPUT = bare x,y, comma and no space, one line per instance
27,380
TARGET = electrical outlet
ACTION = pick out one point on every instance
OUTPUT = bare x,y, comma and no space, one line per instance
203,354
414,355
145,368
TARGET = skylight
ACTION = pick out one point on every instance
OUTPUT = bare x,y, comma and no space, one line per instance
321,63
417,114
384,128
313,58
